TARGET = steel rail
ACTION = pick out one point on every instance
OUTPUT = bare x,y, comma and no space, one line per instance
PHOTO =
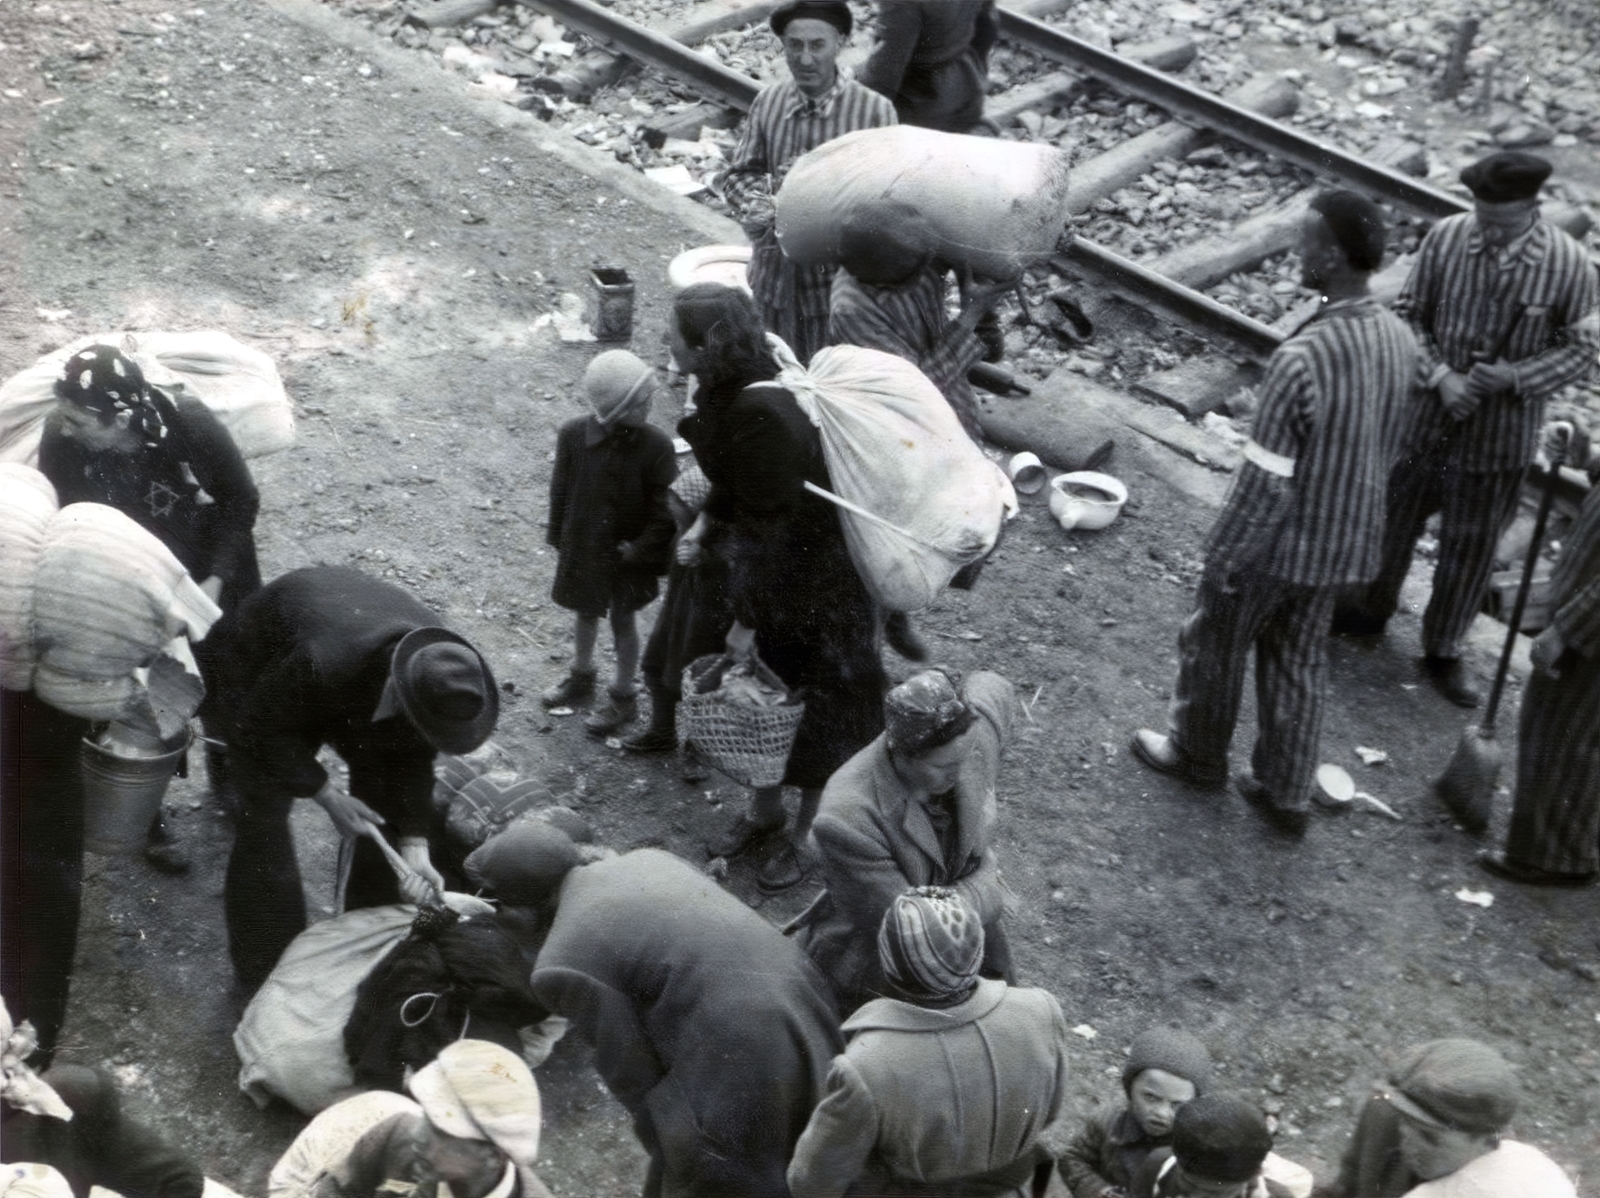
658,50
1150,290
1224,117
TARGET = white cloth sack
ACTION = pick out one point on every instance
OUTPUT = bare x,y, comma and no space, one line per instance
290,1041
920,499
241,385
996,206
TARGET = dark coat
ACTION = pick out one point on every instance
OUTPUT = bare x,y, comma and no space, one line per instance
301,664
931,60
790,576
708,1025
1106,1153
609,488
99,1145
160,487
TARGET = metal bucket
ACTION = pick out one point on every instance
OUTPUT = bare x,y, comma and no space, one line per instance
123,794
613,319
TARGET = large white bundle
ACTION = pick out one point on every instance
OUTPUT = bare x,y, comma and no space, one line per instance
240,384
108,596
996,206
927,501
27,502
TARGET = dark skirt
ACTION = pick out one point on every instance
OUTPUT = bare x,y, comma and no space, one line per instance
693,621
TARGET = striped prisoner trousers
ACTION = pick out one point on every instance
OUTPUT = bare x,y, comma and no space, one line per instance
1474,508
1287,626
1555,818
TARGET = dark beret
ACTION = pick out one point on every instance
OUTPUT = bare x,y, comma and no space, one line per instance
1506,176
1221,1137
1458,1084
835,12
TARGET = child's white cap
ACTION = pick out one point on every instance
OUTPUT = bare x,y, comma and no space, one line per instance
614,381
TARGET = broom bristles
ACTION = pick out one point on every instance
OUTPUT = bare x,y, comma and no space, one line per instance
1467,786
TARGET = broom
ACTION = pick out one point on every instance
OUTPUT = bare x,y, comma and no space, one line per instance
1468,783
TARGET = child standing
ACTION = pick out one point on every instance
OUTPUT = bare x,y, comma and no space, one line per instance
1165,1069
610,524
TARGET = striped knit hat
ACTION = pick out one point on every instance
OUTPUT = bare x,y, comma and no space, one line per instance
930,945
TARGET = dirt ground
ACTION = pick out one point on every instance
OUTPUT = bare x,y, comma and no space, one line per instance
264,168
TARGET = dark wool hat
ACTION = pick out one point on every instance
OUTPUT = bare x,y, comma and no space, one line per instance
1456,1084
1356,224
1221,1137
834,12
523,864
1506,176
444,687
1171,1051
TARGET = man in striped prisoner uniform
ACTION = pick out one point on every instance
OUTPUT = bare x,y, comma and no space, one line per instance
1504,305
1303,520
1554,838
786,121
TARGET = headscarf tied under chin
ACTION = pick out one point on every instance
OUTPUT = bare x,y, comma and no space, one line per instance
475,1090
109,384
931,946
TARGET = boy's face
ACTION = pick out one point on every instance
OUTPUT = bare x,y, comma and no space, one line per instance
1154,1099
1195,1186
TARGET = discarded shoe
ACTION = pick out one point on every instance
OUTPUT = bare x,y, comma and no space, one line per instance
741,836
575,687
1501,866
1291,821
611,713
1160,754
1449,678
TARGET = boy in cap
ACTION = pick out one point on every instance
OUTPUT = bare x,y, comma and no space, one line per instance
789,119
1436,1132
953,1085
1505,305
611,527
330,656
1165,1069
1219,1144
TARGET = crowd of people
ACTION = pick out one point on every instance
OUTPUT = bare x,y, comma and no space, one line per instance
883,1042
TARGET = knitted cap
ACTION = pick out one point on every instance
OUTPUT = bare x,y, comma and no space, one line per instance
523,864
1221,1137
931,944
614,380
1171,1051
475,1090
1457,1084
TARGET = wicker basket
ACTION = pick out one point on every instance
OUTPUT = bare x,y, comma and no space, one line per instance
749,744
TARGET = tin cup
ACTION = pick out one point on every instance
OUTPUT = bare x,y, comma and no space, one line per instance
1027,473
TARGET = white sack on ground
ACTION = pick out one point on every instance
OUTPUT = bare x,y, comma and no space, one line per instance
996,206
895,448
240,384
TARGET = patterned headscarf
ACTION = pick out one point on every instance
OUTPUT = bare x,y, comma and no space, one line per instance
923,712
103,381
930,944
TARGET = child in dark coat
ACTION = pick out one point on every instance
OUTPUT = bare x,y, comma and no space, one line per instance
610,524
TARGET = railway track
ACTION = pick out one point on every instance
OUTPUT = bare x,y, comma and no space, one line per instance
1178,121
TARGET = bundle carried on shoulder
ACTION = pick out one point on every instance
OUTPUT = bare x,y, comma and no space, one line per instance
89,600
740,717
995,206
917,499
239,384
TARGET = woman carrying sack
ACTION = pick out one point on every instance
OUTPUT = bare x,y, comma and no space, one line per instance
794,591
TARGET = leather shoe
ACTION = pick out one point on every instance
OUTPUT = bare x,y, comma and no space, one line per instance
1291,821
1501,866
785,869
1160,754
1352,621
741,836
1449,678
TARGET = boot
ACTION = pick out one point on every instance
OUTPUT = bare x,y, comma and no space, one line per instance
613,711
574,688
662,734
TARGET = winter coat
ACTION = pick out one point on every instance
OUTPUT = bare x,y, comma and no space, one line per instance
790,575
609,488
1106,1153
708,1025
875,840
962,1101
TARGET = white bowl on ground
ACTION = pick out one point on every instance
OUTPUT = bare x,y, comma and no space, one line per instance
1086,499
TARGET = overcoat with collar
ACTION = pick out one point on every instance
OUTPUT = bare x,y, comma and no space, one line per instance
876,840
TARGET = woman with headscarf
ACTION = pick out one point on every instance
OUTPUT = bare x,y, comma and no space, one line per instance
955,1085
167,463
796,597
472,1124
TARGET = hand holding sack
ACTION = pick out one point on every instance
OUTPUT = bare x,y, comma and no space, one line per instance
920,499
